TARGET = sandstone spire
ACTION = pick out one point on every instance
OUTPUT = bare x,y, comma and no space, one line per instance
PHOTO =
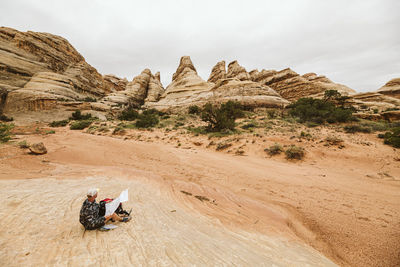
218,72
237,71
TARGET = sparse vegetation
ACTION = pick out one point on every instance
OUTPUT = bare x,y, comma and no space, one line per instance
89,99
128,114
78,116
194,109
222,117
319,111
294,152
61,123
147,119
274,149
392,137
5,132
356,128
23,144
333,140
80,124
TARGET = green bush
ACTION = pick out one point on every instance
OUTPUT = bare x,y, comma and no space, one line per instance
78,116
222,117
128,114
5,132
89,99
80,125
58,123
154,112
294,152
147,120
393,137
194,109
319,111
23,144
356,128
274,149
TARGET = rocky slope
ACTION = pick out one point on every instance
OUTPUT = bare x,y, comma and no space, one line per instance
37,69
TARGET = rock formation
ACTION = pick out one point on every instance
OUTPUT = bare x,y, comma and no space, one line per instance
143,88
237,71
32,55
38,149
292,86
115,83
187,88
391,88
218,72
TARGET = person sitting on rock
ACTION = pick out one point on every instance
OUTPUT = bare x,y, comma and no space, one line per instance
89,215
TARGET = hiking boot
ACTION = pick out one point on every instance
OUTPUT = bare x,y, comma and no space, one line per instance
126,219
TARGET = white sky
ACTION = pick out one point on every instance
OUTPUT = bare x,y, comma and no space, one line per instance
356,43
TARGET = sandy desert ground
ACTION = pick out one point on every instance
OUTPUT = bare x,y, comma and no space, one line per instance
196,206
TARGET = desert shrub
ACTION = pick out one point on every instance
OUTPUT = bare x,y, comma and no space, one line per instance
334,140
294,152
249,125
375,110
154,112
147,120
319,111
50,132
5,132
5,118
393,137
78,116
272,113
80,124
89,99
331,95
23,144
222,117
194,109
128,114
274,149
305,135
61,123
356,128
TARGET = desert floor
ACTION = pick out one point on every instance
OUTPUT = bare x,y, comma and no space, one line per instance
193,205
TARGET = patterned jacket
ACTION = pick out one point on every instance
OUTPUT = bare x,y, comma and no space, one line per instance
89,216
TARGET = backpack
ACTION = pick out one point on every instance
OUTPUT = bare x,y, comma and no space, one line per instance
119,211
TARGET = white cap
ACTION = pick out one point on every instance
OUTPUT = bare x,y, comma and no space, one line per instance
92,191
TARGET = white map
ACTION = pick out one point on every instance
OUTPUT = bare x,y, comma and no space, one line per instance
113,205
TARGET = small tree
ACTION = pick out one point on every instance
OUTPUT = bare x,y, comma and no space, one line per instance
222,117
5,134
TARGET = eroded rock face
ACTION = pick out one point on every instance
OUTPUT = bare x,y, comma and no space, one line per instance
188,88
25,55
143,88
374,100
237,71
218,72
115,83
290,85
391,88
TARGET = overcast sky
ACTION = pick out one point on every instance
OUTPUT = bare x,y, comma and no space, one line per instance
356,43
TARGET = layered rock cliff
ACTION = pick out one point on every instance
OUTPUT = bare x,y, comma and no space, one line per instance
292,86
38,68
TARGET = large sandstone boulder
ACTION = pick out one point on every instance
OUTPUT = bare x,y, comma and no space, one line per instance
29,55
38,149
391,88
